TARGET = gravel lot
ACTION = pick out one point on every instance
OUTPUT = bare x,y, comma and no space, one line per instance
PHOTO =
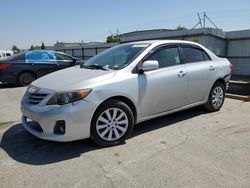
192,148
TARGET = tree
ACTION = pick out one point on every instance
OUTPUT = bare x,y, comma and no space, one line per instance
43,46
15,49
32,47
180,28
111,39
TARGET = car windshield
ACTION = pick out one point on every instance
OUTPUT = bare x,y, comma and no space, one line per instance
115,58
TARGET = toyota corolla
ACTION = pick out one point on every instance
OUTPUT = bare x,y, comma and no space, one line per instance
105,97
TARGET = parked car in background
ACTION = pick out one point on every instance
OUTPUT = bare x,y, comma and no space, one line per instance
122,86
23,68
6,53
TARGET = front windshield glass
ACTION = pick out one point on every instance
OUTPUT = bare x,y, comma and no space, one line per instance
117,57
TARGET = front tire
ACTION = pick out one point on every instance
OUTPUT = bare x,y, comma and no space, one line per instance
25,78
112,123
216,97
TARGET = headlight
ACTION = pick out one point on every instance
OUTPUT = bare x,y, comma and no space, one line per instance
68,97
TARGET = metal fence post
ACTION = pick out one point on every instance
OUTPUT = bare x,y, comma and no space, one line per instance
83,54
96,51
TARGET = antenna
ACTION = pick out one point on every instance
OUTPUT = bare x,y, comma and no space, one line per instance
199,19
199,23
204,21
110,32
205,16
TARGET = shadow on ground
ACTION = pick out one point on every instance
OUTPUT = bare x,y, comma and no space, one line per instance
6,86
25,148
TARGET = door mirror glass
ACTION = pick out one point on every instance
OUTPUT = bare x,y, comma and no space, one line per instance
150,65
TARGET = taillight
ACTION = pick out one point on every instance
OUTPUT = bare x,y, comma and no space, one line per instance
4,66
231,66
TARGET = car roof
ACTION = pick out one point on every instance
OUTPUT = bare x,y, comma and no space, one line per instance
59,52
40,51
159,42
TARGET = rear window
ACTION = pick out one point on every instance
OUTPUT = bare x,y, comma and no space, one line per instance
17,57
207,58
60,56
192,55
166,57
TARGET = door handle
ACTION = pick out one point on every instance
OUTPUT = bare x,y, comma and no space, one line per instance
181,74
211,68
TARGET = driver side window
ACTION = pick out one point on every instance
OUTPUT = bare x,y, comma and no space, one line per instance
166,57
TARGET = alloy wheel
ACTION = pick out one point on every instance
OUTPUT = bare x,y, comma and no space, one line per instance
112,124
217,97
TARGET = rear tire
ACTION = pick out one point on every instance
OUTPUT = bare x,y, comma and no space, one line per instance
216,97
25,78
112,123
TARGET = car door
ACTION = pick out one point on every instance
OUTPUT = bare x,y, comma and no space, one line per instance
40,62
200,72
165,88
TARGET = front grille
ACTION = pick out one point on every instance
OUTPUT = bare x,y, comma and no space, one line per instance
35,98
35,95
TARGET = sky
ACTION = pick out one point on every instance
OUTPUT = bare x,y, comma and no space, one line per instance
29,22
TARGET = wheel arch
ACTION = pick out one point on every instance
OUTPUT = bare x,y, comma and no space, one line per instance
221,80
125,100
23,71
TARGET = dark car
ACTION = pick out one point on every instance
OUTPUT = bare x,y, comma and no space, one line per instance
23,68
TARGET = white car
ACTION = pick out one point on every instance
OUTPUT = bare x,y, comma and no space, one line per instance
6,53
123,86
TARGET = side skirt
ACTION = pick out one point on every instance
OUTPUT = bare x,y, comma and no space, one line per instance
171,111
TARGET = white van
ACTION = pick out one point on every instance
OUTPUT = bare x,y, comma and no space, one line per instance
6,53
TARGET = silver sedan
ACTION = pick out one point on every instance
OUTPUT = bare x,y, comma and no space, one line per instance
127,84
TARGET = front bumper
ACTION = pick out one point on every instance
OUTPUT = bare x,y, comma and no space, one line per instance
77,117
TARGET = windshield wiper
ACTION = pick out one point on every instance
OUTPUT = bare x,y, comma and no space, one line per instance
94,66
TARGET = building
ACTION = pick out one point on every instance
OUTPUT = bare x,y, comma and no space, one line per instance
143,32
63,45
84,50
234,45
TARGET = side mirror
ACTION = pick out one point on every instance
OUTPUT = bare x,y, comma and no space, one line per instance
150,65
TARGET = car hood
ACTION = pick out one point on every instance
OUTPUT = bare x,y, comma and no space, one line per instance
72,79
